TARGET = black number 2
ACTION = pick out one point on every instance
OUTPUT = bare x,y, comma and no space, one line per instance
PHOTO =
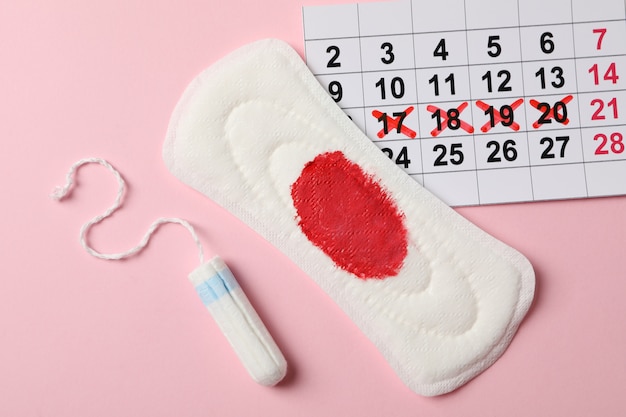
332,62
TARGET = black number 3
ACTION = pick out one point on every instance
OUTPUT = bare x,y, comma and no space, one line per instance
390,57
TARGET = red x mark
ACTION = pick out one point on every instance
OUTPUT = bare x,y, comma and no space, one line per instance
497,116
445,119
390,123
548,112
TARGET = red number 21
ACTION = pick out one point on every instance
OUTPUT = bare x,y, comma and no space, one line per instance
597,115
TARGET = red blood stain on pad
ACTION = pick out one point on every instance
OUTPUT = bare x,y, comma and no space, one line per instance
347,214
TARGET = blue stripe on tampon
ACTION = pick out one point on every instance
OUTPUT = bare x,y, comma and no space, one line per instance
220,284
228,278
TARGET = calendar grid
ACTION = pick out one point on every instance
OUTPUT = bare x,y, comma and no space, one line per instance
467,68
361,60
463,30
480,107
465,65
419,178
519,31
584,167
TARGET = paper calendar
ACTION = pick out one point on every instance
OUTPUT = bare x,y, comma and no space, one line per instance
483,101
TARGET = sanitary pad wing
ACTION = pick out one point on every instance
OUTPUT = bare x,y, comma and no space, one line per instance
439,297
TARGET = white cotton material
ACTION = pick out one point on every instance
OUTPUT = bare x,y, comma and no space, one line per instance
242,134
239,322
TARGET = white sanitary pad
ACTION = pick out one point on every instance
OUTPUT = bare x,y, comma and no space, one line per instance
439,297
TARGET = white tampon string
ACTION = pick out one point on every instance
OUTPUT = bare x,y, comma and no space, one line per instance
214,283
61,192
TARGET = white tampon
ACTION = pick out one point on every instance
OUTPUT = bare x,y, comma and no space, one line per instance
213,281
235,316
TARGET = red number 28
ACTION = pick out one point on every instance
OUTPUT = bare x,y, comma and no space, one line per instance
616,146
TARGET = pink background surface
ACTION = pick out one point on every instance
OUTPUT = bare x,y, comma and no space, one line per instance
83,337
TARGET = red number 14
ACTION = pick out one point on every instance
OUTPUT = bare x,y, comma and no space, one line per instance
609,75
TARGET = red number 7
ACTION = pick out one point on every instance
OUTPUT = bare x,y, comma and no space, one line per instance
602,32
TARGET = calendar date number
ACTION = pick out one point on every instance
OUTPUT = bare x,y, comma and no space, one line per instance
401,159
